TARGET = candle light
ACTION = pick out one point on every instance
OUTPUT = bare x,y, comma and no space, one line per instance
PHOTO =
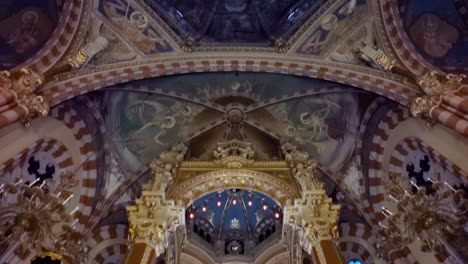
382,225
414,184
393,198
74,210
68,199
387,212
42,184
448,185
34,182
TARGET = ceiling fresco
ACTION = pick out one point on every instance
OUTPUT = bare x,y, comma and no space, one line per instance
438,30
147,117
129,19
332,26
26,27
235,21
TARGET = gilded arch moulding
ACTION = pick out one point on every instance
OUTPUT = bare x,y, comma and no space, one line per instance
280,187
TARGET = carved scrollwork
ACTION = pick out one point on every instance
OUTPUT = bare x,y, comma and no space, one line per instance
434,85
234,154
164,168
24,85
302,166
151,220
315,216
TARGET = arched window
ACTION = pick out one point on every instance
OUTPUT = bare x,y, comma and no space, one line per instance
354,261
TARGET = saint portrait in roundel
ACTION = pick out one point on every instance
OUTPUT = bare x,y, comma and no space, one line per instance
433,35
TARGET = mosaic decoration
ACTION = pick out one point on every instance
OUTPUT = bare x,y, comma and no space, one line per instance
26,27
438,30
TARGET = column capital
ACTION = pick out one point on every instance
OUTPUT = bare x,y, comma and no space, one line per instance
434,85
24,85
152,218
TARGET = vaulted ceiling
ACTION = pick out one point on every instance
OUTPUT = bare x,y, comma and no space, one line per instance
204,71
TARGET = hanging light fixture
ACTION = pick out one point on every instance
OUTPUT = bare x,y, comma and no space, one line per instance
37,214
423,217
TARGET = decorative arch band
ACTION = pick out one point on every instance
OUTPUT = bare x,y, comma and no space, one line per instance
188,190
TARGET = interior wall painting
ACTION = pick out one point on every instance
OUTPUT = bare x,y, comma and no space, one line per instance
149,116
26,27
439,35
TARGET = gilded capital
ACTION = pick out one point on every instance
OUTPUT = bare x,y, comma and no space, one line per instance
434,85
152,218
24,85
315,216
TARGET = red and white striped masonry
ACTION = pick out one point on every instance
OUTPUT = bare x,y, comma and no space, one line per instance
350,247
48,145
376,173
364,202
453,111
400,41
411,144
100,77
105,234
402,256
88,160
397,158
60,40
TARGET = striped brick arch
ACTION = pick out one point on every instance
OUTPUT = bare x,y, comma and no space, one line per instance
87,80
87,161
376,149
49,145
110,242
356,241
399,39
60,40
412,144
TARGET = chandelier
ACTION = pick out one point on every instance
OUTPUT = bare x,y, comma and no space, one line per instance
32,218
422,216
